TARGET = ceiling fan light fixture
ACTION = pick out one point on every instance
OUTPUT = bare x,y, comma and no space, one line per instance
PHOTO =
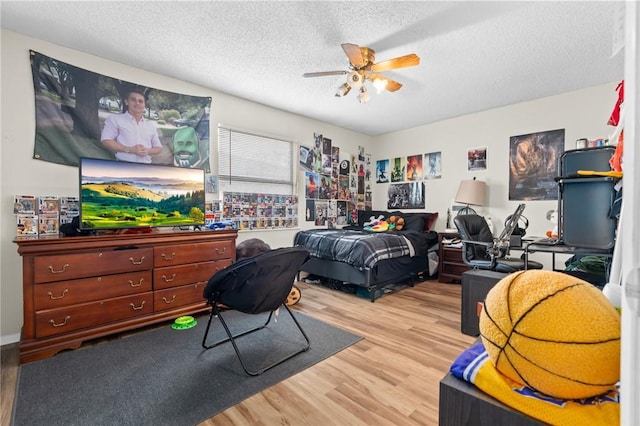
343,90
380,84
363,97
354,79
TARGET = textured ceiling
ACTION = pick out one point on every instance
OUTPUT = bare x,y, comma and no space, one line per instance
474,55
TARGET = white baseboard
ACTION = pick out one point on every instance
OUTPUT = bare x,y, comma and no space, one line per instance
12,338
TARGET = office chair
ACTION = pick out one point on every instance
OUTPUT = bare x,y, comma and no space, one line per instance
255,285
480,250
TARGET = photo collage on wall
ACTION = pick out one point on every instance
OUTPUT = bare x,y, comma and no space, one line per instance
249,211
337,184
406,176
41,216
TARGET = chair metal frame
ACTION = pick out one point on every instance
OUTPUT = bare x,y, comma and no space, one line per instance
496,249
216,311
224,291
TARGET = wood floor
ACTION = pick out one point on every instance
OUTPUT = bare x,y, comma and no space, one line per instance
391,377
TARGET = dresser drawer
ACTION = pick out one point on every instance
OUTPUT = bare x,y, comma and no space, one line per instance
175,276
80,265
65,293
63,320
172,298
191,253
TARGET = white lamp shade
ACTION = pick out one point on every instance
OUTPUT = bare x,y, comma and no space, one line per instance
471,192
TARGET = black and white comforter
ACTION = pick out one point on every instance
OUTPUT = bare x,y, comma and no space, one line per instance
361,249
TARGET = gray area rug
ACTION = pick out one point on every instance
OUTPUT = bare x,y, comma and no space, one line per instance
163,376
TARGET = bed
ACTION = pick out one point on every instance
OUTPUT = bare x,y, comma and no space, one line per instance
372,260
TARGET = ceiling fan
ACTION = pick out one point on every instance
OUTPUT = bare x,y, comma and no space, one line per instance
363,67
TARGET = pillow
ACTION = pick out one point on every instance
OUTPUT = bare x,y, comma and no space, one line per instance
413,222
430,221
364,216
419,222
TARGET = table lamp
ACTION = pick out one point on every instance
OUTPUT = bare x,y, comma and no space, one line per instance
471,193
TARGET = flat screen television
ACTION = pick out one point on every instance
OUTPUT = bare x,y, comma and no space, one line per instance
118,194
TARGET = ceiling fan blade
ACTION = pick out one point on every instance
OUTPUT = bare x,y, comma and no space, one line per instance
354,54
323,73
410,60
391,86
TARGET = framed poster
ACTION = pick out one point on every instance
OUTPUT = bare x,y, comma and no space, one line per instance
382,174
433,161
477,159
406,196
397,171
533,165
414,167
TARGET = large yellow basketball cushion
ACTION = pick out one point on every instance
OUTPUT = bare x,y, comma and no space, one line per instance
553,332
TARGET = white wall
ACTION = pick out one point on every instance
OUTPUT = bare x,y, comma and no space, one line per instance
582,114
21,174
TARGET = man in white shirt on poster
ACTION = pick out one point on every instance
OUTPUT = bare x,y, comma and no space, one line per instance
129,135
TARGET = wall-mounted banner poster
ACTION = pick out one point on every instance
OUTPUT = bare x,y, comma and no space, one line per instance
80,113
397,172
433,162
306,158
344,168
533,165
477,159
382,171
326,156
344,192
335,161
414,167
311,184
211,183
406,196
310,212
321,213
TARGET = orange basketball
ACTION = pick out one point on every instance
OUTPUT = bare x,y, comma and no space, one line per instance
553,332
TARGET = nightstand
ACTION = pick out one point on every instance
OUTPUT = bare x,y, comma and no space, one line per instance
450,264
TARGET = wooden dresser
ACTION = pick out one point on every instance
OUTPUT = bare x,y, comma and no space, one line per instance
81,288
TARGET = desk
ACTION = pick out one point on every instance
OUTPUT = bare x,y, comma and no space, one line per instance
532,247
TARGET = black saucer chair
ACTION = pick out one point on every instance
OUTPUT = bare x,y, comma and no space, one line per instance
480,250
255,285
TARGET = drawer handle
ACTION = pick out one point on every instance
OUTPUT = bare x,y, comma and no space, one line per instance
137,308
53,323
132,284
224,250
52,297
168,280
136,263
59,271
165,257
173,299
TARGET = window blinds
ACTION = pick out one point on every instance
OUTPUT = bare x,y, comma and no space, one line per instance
248,162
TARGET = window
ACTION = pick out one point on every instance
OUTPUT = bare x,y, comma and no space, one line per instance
249,162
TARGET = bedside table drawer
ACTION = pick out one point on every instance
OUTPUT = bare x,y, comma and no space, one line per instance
452,254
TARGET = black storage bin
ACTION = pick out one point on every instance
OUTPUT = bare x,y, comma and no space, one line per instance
585,212
594,159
